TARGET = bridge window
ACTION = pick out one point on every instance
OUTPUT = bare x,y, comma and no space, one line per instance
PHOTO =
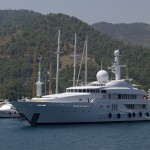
127,96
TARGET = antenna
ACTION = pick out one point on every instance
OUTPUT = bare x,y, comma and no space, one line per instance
45,84
102,64
127,73
50,76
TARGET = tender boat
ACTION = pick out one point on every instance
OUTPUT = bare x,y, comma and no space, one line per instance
7,110
100,101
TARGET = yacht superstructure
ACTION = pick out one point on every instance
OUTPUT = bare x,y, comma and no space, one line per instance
99,101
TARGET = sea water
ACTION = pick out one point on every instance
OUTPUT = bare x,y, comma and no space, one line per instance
19,135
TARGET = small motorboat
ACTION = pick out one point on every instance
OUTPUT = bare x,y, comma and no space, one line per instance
7,110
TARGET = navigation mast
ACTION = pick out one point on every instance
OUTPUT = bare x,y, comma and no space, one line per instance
86,60
57,71
116,67
39,82
74,64
34,71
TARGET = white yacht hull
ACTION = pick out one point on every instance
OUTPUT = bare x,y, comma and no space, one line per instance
84,112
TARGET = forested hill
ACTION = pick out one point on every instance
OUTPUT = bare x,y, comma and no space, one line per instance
23,31
136,33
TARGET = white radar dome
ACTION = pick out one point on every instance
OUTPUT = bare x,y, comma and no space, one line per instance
102,76
116,52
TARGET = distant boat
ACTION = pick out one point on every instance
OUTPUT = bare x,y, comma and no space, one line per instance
100,101
7,110
2,103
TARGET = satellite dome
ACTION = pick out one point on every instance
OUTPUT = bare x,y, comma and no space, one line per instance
102,76
116,52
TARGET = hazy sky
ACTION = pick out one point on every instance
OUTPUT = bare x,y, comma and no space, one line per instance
90,11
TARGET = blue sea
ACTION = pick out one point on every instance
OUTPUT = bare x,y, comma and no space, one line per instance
16,134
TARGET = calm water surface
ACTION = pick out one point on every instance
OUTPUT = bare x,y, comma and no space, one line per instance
19,135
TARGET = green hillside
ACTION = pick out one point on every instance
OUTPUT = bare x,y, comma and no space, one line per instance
23,31
135,33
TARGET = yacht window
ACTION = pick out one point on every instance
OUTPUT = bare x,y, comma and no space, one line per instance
130,97
80,90
103,91
121,96
75,90
84,90
87,90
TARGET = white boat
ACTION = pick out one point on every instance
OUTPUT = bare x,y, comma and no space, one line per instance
7,110
2,103
100,101
103,100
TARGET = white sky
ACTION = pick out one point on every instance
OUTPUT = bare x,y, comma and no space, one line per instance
90,11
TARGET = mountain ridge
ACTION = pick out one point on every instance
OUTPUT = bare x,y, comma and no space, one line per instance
27,30
135,33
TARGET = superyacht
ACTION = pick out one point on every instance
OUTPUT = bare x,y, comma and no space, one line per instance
103,100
